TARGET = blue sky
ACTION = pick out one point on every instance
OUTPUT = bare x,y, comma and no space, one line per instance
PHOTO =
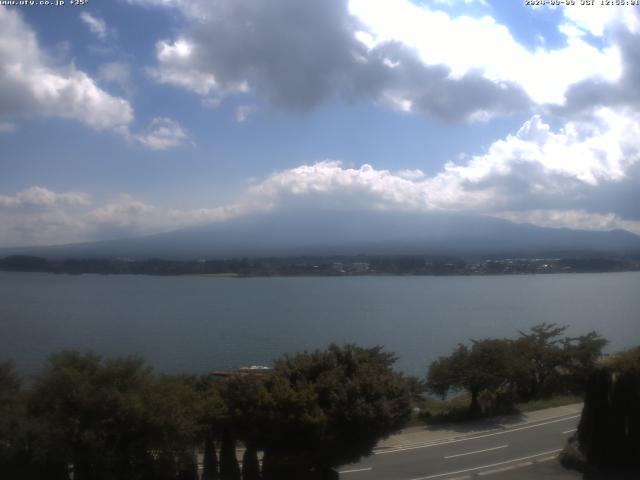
129,117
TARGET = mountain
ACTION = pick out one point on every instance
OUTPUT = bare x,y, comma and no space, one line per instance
325,233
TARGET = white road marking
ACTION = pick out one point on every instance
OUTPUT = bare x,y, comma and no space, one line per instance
477,451
502,432
570,431
487,466
356,470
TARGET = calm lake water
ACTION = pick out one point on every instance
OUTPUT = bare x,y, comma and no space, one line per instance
201,323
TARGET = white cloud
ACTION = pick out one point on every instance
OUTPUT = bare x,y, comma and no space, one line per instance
532,166
297,55
96,25
162,134
40,228
414,174
451,3
403,54
243,112
574,219
592,151
177,66
596,19
39,216
557,177
195,10
175,69
31,86
125,216
43,198
118,73
464,44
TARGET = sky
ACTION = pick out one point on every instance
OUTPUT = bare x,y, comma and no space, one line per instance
131,117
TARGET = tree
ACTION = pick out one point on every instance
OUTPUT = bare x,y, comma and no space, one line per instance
95,413
115,419
542,349
609,429
250,464
318,410
229,468
348,399
212,418
14,453
582,353
210,460
483,367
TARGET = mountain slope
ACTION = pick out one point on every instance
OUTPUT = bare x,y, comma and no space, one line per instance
335,233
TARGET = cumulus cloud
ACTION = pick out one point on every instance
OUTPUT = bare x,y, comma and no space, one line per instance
597,19
408,56
534,168
176,68
43,198
464,44
298,54
39,228
244,112
32,86
38,216
162,134
574,219
118,73
599,92
571,176
97,25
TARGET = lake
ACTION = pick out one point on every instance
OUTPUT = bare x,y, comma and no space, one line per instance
199,324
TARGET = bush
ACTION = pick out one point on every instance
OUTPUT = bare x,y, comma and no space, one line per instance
609,430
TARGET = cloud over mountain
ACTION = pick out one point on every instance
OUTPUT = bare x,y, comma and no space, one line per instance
569,103
548,177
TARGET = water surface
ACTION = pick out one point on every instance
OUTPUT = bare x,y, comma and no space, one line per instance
202,323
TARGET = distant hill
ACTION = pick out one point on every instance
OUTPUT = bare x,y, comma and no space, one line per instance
325,233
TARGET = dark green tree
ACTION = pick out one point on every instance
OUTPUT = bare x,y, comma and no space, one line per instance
229,468
114,418
174,409
210,460
609,429
485,366
331,407
542,348
250,464
581,354
213,419
14,428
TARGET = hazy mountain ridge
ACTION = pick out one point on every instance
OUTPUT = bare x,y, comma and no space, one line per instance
349,233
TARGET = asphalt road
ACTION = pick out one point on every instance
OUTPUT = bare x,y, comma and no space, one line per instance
468,456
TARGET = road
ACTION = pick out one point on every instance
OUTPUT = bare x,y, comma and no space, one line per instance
481,453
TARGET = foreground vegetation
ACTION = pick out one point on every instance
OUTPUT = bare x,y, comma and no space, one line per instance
499,374
116,419
609,430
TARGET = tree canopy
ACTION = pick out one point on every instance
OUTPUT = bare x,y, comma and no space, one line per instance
117,419
538,363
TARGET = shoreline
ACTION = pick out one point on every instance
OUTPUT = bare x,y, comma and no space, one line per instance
365,275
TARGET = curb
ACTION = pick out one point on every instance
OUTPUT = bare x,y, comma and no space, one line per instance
507,468
454,438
